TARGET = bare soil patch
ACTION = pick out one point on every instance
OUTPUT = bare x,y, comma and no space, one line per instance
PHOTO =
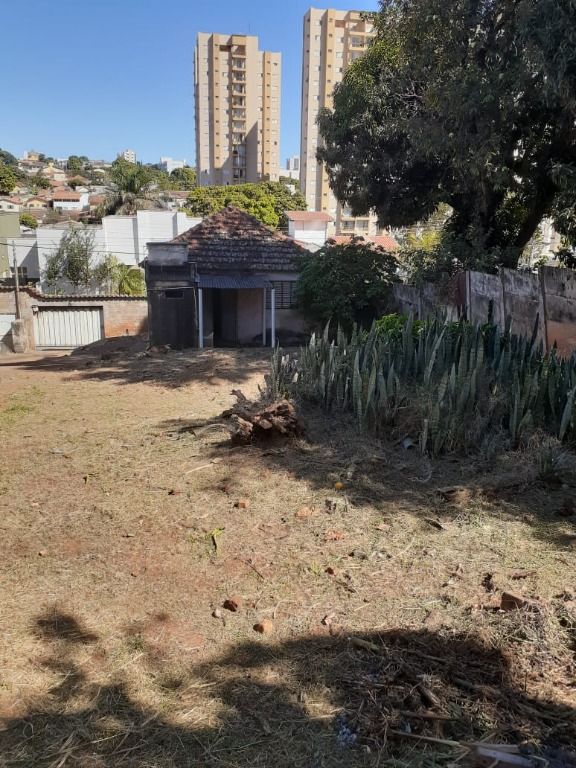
128,519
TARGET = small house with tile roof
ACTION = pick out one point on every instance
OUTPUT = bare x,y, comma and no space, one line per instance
228,281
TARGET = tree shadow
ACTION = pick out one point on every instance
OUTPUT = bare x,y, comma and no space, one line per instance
356,469
169,369
326,701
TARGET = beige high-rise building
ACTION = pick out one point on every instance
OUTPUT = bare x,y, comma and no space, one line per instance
332,40
237,99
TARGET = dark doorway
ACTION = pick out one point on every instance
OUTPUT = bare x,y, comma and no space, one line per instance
225,313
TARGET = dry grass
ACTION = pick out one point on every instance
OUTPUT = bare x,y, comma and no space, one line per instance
120,536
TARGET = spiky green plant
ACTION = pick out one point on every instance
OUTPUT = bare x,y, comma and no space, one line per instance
460,381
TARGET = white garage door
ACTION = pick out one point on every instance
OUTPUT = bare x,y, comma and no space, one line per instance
6,332
68,326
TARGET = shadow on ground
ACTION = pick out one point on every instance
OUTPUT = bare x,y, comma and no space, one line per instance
313,701
386,475
112,361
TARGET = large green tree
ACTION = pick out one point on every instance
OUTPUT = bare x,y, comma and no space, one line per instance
75,163
268,201
8,179
346,283
184,178
471,103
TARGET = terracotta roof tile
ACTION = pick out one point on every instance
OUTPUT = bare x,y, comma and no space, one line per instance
308,216
233,241
66,195
383,241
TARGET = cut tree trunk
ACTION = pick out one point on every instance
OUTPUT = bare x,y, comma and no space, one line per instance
253,422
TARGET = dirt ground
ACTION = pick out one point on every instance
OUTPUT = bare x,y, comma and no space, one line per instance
127,519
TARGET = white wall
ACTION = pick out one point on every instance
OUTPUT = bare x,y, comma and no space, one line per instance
125,237
6,205
308,231
49,237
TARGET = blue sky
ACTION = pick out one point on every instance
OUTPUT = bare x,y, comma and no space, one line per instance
93,78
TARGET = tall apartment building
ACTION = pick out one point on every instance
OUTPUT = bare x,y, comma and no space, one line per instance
332,40
237,99
129,155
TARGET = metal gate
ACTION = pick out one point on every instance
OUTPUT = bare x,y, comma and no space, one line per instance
6,332
68,326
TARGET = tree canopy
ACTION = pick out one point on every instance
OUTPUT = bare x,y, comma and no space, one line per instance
184,178
7,157
470,103
75,164
8,179
72,261
131,189
268,201
27,220
346,283
120,279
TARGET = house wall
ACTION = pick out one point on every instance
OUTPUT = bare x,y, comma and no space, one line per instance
308,232
68,205
249,316
6,205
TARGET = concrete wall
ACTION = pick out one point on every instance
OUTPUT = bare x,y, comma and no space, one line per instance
560,300
548,297
483,293
522,301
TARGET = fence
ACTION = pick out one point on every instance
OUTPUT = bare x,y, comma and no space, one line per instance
549,296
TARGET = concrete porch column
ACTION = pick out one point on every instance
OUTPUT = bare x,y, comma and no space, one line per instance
200,319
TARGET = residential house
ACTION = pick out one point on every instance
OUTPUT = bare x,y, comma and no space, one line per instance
53,173
10,203
175,198
95,201
66,200
230,280
309,227
37,203
31,167
386,241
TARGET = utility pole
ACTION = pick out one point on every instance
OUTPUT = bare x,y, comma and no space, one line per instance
16,281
